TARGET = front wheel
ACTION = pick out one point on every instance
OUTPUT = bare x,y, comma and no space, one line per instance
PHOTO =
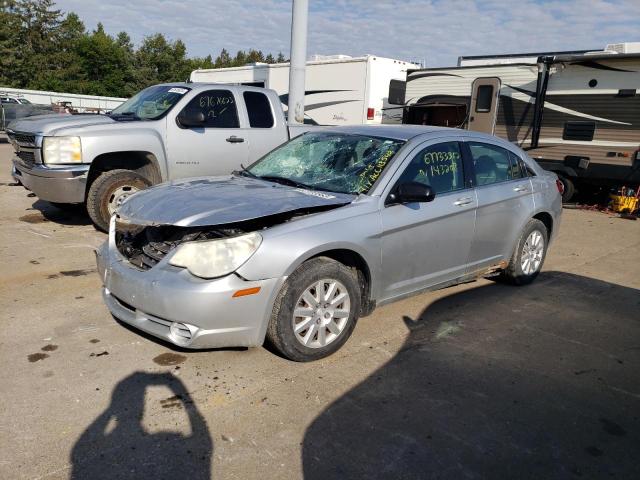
108,191
528,257
315,311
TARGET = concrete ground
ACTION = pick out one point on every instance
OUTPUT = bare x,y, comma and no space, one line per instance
475,381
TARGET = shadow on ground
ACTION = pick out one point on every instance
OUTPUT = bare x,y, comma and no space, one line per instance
537,382
64,215
116,444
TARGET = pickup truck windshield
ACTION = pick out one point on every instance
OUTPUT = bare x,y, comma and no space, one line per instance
335,162
151,103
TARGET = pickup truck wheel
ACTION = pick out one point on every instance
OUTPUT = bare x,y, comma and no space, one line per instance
528,256
108,191
316,310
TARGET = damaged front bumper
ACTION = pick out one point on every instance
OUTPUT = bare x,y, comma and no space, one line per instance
170,303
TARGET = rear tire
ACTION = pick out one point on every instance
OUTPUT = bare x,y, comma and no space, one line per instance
528,256
108,191
316,310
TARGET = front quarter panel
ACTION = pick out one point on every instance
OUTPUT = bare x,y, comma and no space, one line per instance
285,247
135,136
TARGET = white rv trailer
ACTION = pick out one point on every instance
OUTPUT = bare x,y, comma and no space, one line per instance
577,113
338,89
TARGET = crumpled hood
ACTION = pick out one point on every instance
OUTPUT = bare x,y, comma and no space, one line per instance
46,124
198,202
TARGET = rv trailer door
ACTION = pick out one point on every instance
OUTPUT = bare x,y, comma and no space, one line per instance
485,93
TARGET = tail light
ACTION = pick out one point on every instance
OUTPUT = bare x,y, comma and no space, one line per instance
560,186
371,112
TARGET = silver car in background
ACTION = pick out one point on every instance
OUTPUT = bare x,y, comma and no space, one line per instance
298,246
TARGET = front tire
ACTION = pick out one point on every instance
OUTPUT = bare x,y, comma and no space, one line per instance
316,310
528,257
108,191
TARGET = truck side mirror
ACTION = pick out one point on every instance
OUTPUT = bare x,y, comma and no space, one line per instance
410,192
190,119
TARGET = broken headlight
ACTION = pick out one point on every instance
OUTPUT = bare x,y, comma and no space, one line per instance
216,258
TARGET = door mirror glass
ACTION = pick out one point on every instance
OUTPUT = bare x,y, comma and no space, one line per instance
411,192
190,119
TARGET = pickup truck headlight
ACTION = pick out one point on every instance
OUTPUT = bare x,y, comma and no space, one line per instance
62,150
216,258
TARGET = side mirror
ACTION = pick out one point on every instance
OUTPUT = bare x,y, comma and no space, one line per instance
190,119
410,192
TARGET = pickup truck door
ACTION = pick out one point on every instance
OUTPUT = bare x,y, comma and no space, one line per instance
217,147
267,128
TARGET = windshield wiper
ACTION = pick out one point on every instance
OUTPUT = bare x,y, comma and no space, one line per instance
125,116
286,181
245,171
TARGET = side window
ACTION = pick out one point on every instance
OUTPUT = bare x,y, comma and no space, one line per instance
259,110
439,166
491,163
218,107
516,166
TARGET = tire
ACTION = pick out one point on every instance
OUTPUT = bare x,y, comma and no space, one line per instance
514,273
336,331
108,191
569,188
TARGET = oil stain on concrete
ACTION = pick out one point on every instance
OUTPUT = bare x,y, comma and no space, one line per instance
167,359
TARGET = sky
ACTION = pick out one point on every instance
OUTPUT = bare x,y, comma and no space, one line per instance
431,31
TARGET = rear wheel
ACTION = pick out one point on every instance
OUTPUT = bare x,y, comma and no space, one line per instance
569,188
108,191
528,257
315,311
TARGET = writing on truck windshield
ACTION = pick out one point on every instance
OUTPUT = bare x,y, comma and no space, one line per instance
330,161
151,103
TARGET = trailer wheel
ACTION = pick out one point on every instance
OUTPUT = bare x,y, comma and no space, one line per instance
108,191
569,188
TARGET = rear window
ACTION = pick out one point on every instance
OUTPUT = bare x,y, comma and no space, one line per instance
259,110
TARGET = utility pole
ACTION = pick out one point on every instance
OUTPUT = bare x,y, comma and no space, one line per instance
299,19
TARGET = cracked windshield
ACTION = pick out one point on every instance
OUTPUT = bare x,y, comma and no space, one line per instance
328,161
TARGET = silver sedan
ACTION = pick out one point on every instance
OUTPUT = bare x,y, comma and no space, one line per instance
299,245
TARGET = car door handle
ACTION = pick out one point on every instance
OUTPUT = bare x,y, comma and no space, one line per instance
520,188
234,139
463,201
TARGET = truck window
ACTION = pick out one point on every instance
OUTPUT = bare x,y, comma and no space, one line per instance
259,110
218,107
484,96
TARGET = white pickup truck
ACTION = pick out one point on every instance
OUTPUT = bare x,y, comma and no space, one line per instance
162,133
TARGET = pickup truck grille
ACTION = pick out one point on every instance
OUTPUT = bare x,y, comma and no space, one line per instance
22,138
29,158
144,246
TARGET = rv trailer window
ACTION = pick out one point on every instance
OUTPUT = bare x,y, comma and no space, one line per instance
396,92
259,110
582,131
484,96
